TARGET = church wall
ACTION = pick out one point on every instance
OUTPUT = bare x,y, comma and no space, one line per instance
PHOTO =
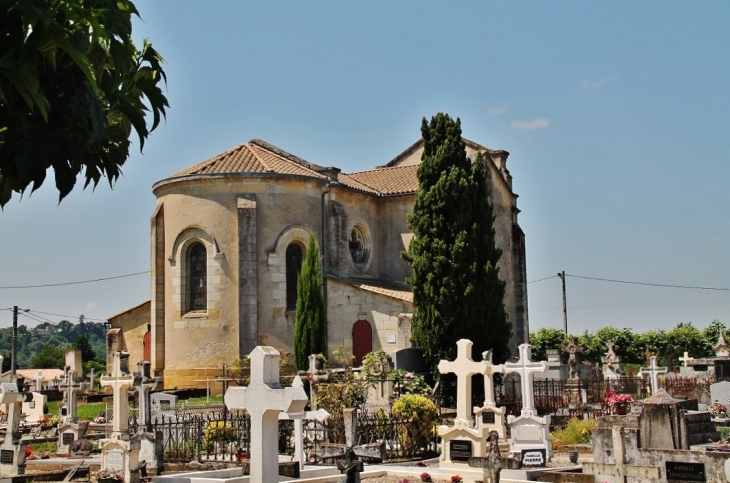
346,210
133,323
394,236
349,304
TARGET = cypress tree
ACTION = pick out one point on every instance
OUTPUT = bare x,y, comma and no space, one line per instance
457,292
310,325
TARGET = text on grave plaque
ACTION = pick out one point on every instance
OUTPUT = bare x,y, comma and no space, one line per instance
459,450
67,438
488,418
6,457
679,471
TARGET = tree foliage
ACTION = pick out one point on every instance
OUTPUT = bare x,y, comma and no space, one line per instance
310,325
50,357
87,352
668,346
457,292
72,87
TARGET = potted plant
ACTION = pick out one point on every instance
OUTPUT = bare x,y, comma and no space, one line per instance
718,410
618,403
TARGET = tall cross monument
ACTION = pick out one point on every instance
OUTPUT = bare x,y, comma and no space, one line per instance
264,398
527,369
464,367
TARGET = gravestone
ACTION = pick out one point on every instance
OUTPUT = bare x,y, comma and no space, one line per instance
12,449
685,359
462,440
92,378
528,430
38,380
162,401
653,371
611,362
619,469
151,449
720,392
69,430
410,359
264,398
33,408
572,350
490,417
120,452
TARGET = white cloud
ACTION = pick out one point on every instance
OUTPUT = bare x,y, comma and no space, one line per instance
90,306
537,123
497,110
596,84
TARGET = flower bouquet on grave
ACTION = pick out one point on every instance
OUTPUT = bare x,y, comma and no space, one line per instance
618,403
108,476
718,410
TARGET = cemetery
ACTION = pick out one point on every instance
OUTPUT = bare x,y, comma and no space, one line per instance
509,422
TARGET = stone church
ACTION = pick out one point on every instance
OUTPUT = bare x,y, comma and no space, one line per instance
228,237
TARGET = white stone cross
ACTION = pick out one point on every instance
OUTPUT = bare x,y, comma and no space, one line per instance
314,376
264,399
686,359
92,377
526,369
120,380
319,415
489,372
70,387
653,370
464,367
38,380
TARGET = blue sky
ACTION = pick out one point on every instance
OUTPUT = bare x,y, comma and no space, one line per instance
615,115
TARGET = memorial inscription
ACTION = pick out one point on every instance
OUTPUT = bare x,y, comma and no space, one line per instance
6,457
114,460
678,471
68,438
488,418
534,457
460,450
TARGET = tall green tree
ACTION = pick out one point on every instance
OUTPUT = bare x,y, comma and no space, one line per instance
73,85
50,357
457,292
87,352
310,325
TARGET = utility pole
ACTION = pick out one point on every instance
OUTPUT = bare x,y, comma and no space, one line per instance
14,346
565,304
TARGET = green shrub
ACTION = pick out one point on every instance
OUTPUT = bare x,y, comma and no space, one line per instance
420,411
576,432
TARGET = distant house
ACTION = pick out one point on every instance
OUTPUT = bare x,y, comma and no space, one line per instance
50,378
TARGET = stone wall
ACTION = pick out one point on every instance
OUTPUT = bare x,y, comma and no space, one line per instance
133,324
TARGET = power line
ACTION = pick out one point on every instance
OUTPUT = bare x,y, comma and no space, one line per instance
649,284
546,278
74,283
69,316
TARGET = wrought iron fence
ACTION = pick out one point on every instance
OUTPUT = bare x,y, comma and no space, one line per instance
403,438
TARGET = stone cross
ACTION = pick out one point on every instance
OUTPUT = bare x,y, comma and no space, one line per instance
653,371
526,368
70,387
319,415
493,464
648,353
92,377
464,367
573,350
144,384
721,348
489,372
684,360
120,380
620,470
13,443
38,380
314,375
264,399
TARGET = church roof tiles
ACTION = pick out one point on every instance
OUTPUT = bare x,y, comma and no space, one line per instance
389,181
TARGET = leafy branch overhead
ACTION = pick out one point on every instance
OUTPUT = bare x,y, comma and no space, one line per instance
73,85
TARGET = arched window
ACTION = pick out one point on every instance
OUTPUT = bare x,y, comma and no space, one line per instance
294,256
197,277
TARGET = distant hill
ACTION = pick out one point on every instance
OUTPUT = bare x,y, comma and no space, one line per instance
62,334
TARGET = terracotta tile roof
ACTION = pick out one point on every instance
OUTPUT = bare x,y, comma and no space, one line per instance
404,295
389,181
30,374
255,156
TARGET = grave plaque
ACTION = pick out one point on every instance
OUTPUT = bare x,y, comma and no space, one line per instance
64,412
534,457
6,456
67,438
460,450
31,404
114,460
679,471
487,418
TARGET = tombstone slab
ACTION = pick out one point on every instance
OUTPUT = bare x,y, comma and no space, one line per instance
12,449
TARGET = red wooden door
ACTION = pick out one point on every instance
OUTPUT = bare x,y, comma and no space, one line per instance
147,346
362,341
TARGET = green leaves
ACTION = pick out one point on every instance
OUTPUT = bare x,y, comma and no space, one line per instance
310,324
457,292
72,87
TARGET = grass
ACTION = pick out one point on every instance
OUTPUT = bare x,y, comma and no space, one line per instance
84,412
203,400
576,432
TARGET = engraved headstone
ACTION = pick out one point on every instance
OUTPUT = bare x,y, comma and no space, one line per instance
12,449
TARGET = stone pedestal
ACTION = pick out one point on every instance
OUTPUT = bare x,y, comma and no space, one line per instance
68,432
491,419
118,455
12,449
459,443
530,432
